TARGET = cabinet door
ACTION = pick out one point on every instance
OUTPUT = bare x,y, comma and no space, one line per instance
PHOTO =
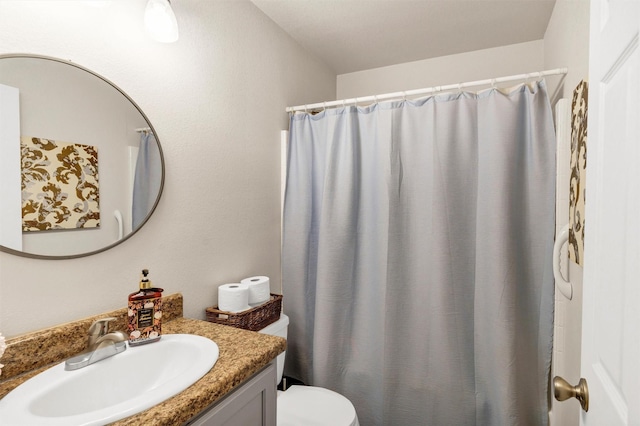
253,403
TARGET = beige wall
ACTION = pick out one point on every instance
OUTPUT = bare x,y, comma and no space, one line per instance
566,44
218,220
471,66
216,99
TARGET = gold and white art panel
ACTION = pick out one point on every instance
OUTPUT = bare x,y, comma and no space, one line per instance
578,172
59,185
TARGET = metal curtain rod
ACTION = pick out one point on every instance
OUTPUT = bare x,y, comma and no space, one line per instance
427,91
143,129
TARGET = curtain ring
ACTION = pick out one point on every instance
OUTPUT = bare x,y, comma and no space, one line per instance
305,108
459,87
355,102
375,99
493,83
404,96
324,106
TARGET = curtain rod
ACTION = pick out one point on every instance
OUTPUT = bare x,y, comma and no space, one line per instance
427,91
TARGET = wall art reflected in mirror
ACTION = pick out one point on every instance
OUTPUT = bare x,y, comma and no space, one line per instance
81,167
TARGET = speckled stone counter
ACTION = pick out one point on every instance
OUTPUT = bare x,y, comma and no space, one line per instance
242,354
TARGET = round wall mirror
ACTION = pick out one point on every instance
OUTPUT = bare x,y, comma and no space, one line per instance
81,167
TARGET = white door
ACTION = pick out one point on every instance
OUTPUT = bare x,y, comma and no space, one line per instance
611,310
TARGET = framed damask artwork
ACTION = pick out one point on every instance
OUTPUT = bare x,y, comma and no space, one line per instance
59,185
578,172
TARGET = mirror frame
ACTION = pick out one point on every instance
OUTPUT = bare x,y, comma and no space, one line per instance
162,162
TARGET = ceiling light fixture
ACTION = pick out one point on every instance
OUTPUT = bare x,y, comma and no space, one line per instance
160,21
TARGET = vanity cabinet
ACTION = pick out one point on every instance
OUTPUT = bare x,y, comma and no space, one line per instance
248,363
253,403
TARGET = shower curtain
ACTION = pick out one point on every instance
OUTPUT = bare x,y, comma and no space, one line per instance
417,253
147,179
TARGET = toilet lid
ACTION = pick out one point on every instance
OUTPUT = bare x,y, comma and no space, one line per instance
312,406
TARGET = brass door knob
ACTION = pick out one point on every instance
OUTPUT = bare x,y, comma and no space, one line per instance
563,390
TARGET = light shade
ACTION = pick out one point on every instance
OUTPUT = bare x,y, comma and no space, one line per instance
160,21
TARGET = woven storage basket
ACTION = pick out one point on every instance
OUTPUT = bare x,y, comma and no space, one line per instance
253,319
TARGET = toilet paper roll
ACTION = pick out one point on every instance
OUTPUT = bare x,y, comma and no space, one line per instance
233,297
259,290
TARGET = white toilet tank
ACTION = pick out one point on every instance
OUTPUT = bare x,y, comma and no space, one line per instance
278,328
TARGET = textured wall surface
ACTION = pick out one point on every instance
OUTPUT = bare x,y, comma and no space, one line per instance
216,99
470,66
566,44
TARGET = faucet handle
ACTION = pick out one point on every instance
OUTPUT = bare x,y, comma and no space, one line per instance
100,327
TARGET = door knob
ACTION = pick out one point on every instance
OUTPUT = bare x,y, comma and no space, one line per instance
563,390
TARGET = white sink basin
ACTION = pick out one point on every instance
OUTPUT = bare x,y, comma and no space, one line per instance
111,389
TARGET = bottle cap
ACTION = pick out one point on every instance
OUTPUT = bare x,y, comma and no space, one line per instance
145,283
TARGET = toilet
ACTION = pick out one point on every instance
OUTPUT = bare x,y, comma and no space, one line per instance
308,405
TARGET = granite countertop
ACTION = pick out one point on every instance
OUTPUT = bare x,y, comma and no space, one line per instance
242,354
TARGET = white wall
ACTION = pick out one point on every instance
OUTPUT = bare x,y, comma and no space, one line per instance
566,44
471,66
216,99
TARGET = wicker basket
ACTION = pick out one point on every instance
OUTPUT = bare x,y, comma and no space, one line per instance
253,319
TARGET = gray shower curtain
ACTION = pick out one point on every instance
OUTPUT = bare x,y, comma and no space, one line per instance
417,257
147,179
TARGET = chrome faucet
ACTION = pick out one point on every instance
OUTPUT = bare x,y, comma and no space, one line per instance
101,344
